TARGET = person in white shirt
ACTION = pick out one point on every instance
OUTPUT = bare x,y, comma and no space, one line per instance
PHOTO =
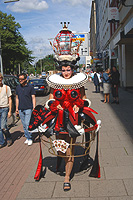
5,111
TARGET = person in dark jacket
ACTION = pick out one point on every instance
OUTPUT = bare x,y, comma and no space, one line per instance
97,81
115,79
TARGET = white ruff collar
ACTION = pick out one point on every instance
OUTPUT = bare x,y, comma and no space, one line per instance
58,82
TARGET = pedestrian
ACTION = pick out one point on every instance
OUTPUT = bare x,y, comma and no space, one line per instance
5,111
97,81
28,78
106,85
92,75
115,80
25,103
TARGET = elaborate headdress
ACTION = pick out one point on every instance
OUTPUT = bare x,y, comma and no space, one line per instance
66,47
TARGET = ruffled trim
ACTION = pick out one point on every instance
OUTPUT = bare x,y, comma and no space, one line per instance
56,81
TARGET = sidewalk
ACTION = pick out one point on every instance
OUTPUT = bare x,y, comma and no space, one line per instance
18,163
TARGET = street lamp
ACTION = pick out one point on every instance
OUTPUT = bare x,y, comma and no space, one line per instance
1,66
10,1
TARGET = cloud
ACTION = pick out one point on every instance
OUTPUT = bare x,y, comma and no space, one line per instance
73,2
24,6
40,47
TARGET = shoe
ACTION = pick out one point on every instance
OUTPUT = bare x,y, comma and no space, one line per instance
117,102
66,186
2,145
30,142
113,102
26,141
9,142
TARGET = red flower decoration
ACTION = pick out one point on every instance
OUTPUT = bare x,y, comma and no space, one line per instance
79,103
53,106
66,104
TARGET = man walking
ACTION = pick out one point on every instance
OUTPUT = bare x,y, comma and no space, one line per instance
97,81
115,79
25,103
5,111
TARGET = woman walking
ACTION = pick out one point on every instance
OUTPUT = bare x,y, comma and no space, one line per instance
106,85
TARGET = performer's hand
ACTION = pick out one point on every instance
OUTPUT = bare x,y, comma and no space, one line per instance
59,107
75,108
114,86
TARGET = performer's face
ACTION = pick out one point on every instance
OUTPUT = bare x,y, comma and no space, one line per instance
66,72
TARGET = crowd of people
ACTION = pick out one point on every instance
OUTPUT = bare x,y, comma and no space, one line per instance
25,103
109,80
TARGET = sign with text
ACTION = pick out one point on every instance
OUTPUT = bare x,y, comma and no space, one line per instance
84,47
113,14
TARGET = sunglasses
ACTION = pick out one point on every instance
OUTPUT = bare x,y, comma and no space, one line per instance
68,70
21,79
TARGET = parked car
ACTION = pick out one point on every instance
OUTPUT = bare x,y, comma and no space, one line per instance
40,86
12,82
44,75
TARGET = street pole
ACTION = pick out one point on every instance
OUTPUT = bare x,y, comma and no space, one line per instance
10,1
19,68
41,65
35,70
1,66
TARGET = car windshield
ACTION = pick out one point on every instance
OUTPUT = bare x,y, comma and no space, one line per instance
11,81
34,82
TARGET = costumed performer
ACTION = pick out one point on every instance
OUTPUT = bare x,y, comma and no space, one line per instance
67,99
67,106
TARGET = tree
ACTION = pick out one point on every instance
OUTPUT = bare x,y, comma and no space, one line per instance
14,48
48,63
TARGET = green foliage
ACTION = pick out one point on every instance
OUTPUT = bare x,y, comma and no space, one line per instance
13,45
46,64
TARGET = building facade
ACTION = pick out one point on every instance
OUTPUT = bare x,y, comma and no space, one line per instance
114,36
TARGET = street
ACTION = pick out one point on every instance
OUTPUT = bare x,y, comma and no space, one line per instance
18,163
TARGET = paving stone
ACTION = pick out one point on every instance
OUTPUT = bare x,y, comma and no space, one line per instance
121,198
124,160
107,188
45,198
48,175
124,137
113,152
106,138
129,150
107,160
120,172
104,145
125,143
78,189
84,175
37,190
97,198
129,186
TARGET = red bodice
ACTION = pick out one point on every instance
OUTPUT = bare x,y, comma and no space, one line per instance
68,98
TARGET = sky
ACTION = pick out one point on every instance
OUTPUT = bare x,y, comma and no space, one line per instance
40,20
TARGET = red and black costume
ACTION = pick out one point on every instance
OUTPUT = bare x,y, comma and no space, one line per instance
64,121
51,121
